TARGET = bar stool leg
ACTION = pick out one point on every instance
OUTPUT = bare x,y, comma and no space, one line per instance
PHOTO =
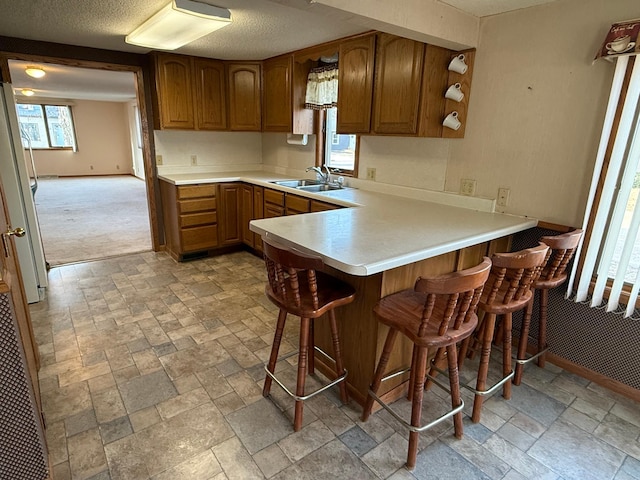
483,369
337,355
420,368
454,385
302,371
277,338
507,322
435,363
412,372
542,326
312,342
524,339
377,377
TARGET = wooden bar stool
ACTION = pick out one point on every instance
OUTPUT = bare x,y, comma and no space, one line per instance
508,290
438,313
297,287
561,250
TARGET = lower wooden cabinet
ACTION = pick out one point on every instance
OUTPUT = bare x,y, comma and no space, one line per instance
190,218
230,206
204,217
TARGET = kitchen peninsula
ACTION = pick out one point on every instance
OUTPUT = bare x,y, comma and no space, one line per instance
380,244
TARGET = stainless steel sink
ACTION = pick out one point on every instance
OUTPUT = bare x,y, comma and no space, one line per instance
297,183
323,187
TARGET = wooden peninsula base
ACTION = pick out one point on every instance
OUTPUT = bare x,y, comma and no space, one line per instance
362,336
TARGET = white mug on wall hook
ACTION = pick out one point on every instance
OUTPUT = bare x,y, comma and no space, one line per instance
458,64
451,121
454,93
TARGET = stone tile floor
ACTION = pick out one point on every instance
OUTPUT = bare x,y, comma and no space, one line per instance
153,369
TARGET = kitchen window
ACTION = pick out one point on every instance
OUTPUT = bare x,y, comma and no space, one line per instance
340,151
46,126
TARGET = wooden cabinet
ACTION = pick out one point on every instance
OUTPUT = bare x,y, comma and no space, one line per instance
397,84
284,87
230,212
317,206
190,93
434,84
295,204
209,100
273,203
174,91
258,213
190,218
355,80
244,87
246,215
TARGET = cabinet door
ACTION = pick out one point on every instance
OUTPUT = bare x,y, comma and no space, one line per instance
244,96
209,100
277,107
355,78
174,91
229,216
247,214
295,204
258,212
397,85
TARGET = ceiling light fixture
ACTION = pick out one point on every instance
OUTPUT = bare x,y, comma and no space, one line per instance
179,23
27,92
35,72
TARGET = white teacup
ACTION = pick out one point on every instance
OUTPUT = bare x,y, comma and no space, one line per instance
455,93
451,121
619,44
458,65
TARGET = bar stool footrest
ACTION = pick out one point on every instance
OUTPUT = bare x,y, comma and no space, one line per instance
413,428
341,378
482,393
523,361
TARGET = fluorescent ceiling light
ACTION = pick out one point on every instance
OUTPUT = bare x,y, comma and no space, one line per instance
35,72
27,92
179,23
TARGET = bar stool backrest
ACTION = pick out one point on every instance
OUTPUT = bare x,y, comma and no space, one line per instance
562,247
291,274
513,274
457,293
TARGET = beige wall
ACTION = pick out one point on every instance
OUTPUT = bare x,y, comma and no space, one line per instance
537,106
212,149
102,133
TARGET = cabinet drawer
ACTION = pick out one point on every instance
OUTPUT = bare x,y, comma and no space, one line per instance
296,204
197,205
195,191
317,206
193,219
273,196
199,238
271,211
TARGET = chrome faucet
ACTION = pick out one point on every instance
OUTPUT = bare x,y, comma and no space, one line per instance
318,170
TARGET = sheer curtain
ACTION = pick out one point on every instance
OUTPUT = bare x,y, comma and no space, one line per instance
612,254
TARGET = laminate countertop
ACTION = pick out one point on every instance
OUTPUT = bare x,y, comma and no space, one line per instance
378,233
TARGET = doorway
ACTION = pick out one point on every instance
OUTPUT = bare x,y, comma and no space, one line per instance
88,182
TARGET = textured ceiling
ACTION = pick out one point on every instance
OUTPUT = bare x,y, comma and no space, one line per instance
260,29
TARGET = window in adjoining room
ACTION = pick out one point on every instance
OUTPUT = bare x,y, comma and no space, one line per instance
46,126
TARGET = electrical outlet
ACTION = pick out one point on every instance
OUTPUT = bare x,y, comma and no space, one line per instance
468,187
158,159
371,174
503,196
194,160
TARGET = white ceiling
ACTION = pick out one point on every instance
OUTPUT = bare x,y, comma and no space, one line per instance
260,29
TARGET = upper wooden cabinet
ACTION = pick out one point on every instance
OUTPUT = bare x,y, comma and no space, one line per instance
190,93
209,100
174,91
244,87
355,81
284,88
398,79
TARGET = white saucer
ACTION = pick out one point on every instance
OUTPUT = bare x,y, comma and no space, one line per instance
629,47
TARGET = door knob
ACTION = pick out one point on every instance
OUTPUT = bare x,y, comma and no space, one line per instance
18,232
